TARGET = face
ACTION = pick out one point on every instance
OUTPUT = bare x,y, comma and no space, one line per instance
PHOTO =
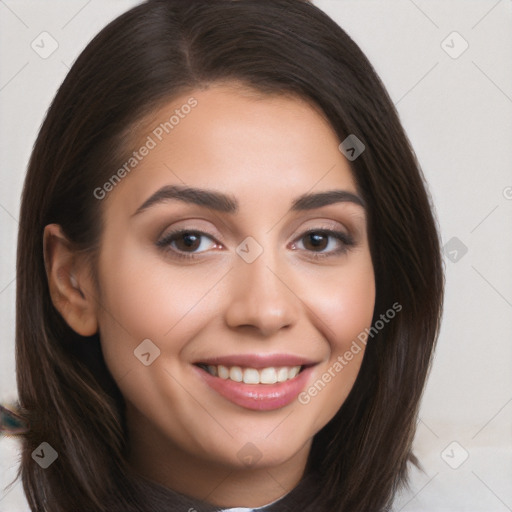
234,250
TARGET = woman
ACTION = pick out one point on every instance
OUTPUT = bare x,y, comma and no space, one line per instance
229,275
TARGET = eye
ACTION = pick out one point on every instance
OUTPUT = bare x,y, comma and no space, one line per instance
324,242
186,241
319,243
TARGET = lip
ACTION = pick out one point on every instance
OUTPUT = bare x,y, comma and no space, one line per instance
257,397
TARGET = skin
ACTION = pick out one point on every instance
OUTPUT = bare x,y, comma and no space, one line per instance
265,151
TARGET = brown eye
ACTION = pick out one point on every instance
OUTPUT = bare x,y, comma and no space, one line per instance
316,241
325,242
185,241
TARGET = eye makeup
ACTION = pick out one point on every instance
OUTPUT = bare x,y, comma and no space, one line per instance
193,241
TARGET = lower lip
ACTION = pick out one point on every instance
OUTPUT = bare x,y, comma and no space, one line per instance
258,397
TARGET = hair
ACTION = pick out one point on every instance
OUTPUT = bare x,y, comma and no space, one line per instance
136,64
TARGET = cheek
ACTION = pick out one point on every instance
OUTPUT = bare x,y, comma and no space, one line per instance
344,307
345,302
145,297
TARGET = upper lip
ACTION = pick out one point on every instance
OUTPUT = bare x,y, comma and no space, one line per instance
257,361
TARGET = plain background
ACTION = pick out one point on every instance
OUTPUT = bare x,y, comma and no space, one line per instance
456,108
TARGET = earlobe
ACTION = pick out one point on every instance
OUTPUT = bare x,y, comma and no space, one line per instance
70,284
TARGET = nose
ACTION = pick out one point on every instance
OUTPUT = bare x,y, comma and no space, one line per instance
261,297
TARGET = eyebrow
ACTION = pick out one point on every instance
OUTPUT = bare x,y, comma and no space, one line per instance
228,204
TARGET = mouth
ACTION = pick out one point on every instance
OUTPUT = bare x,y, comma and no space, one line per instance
268,375
256,382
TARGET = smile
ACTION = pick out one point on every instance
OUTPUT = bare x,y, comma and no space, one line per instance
256,382
269,375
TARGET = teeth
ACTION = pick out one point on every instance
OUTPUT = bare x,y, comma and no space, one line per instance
236,374
222,371
268,375
251,376
294,372
282,374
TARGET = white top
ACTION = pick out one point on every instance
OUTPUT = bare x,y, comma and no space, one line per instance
245,509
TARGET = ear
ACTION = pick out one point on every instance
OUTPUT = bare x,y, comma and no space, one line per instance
69,281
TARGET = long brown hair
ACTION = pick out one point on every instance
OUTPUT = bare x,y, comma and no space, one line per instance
140,61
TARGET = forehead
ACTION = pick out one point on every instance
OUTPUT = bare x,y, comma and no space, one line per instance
234,139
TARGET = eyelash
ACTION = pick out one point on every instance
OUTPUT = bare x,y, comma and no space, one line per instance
346,243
